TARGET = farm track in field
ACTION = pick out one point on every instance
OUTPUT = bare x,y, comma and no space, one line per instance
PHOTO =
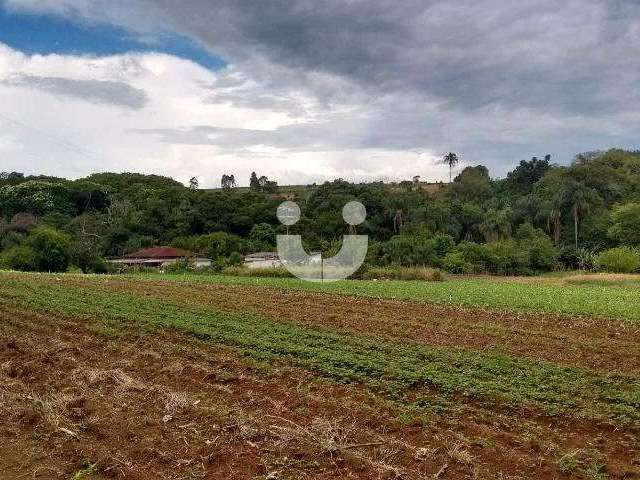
77,396
594,343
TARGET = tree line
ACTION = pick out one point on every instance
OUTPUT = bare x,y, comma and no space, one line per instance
539,217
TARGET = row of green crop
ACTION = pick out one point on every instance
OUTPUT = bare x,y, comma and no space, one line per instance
587,299
390,366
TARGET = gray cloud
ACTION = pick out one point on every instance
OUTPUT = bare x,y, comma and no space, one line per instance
497,80
94,91
564,55
545,54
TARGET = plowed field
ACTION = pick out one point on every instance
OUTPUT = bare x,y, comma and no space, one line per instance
147,378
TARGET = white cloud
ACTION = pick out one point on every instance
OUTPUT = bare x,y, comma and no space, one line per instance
66,132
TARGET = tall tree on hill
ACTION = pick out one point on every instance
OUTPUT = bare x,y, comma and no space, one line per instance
554,219
580,199
253,182
452,160
228,181
193,183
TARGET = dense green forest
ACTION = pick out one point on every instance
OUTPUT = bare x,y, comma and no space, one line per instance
540,217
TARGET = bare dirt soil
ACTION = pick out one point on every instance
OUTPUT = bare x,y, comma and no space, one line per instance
79,400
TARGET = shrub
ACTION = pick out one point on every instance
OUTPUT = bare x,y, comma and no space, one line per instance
625,226
570,258
443,244
235,259
507,258
619,260
406,249
542,253
474,253
454,262
21,258
11,239
586,259
184,265
119,268
263,236
52,249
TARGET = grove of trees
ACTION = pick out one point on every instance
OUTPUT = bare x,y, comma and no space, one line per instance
539,217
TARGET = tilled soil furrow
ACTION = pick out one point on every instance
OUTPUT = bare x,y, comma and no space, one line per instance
597,344
130,404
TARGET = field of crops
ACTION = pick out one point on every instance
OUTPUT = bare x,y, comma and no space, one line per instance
226,377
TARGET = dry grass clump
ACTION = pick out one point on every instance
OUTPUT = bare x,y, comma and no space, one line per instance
56,409
331,434
603,278
118,378
175,402
458,454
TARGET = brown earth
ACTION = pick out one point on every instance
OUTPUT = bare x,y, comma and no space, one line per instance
594,343
77,396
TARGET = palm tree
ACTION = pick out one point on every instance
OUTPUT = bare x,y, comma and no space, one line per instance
496,225
397,221
580,198
452,160
554,220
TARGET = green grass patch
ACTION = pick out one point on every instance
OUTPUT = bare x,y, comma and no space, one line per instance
396,368
587,299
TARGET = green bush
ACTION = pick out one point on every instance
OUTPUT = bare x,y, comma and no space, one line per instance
120,268
542,253
507,258
263,236
52,249
235,259
619,260
474,254
409,249
21,258
454,262
443,244
184,265
625,226
11,239
586,259
501,258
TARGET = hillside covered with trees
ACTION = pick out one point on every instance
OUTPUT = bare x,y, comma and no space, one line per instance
540,217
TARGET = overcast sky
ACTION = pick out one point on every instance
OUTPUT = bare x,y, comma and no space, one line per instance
304,91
